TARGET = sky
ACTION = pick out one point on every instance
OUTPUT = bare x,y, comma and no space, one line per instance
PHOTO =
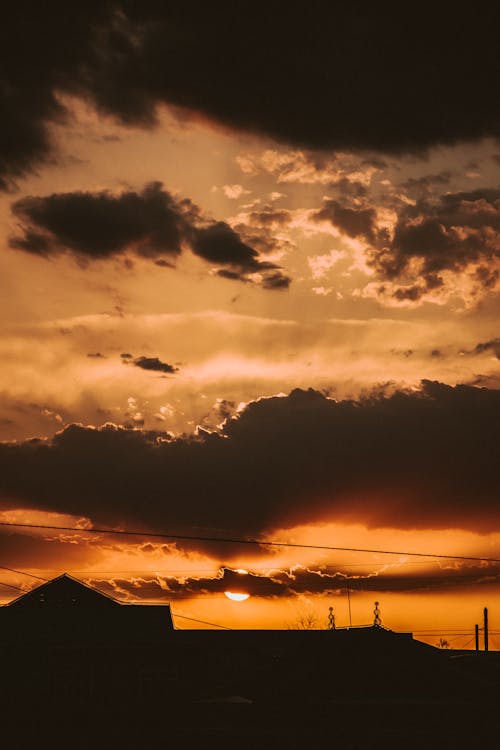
250,273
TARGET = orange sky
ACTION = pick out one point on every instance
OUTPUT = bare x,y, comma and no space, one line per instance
435,598
172,276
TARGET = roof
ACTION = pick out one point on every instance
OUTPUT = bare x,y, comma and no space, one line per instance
65,609
63,591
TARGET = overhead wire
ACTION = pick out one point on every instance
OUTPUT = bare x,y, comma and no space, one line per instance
11,586
22,572
422,633
203,622
234,540
253,542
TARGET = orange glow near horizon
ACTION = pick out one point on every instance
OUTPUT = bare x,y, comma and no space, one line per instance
138,571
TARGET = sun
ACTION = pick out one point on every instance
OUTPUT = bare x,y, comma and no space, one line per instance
236,597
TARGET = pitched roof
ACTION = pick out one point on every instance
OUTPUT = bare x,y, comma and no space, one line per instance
63,591
65,609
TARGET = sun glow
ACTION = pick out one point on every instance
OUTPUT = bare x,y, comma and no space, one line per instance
236,597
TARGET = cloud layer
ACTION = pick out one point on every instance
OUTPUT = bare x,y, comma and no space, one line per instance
298,581
150,223
365,77
426,459
451,233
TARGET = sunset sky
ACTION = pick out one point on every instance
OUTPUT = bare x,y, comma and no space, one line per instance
250,260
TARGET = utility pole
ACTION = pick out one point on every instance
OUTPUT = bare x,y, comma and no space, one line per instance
477,638
486,628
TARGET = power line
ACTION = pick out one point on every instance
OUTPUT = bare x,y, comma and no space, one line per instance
203,622
466,644
254,542
10,586
434,633
426,633
23,573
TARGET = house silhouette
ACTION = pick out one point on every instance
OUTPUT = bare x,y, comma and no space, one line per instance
86,666
65,608
64,641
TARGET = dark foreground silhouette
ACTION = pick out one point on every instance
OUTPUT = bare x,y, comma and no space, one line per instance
80,670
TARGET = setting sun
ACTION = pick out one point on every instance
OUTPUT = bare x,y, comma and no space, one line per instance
236,597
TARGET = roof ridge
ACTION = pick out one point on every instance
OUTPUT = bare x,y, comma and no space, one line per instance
63,576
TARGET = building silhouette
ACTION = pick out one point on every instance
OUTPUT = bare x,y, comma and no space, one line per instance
85,665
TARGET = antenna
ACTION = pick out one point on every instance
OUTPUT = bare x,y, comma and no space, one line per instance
349,605
331,619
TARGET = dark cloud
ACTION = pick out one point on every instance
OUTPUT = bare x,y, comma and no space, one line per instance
298,581
100,225
220,411
224,273
446,234
492,346
354,222
276,280
155,364
219,243
269,215
425,459
383,84
352,188
43,46
424,186
373,88
148,223
260,226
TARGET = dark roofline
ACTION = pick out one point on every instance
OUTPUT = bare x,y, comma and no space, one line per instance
58,578
90,588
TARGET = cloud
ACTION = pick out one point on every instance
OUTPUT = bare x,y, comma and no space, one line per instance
298,581
424,186
354,222
276,280
148,223
219,243
370,90
425,459
492,346
340,97
155,364
457,233
40,58
100,225
234,192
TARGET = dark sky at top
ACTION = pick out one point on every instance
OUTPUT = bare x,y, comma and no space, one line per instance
340,75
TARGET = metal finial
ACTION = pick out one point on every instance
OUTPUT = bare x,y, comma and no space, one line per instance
377,621
331,619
